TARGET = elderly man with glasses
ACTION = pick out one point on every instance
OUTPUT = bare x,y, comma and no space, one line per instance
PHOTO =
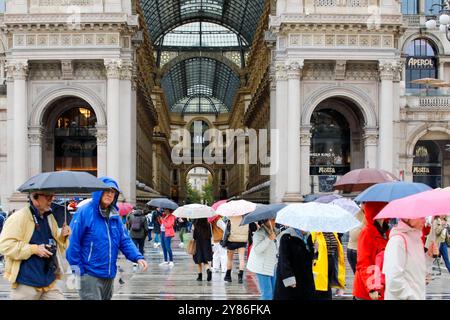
30,242
98,235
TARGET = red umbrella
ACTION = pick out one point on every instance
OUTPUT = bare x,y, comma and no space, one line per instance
215,206
124,208
361,179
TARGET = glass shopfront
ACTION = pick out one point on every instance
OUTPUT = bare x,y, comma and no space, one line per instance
75,141
431,158
330,148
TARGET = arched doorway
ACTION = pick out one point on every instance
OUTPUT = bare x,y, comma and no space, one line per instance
431,162
199,186
336,142
71,142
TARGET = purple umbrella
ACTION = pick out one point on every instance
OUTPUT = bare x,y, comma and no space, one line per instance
327,198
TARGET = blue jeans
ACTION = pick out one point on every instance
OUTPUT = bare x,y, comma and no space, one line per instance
157,240
443,250
165,244
149,234
266,286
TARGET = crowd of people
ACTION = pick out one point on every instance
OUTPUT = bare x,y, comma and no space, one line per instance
388,256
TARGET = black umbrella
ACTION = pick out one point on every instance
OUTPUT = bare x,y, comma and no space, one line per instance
163,203
263,212
63,182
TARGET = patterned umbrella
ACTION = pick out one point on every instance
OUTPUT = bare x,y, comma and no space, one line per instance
318,217
236,208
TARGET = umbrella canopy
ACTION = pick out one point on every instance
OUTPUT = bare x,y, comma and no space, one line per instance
194,211
327,198
263,212
217,204
428,203
310,197
63,182
361,179
389,191
236,208
319,217
163,203
346,204
125,208
85,201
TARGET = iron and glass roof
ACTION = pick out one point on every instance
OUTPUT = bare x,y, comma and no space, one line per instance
201,84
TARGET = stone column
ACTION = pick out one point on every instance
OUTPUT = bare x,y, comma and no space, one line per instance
19,70
293,192
275,137
128,132
35,139
386,114
10,130
305,145
370,147
102,138
278,123
113,118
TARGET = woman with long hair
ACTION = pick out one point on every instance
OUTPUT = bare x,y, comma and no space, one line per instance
167,221
203,253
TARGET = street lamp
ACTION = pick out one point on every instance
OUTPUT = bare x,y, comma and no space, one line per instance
444,18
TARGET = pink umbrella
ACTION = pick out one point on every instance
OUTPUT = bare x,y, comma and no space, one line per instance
215,206
419,205
124,208
361,179
236,208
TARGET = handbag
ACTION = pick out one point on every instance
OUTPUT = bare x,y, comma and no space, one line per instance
191,248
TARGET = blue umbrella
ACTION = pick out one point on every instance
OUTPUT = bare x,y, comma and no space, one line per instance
163,203
389,191
263,212
327,198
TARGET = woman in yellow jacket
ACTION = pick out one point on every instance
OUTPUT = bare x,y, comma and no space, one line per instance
328,264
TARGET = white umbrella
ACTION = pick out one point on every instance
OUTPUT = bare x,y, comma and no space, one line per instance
194,211
85,201
318,217
236,208
347,205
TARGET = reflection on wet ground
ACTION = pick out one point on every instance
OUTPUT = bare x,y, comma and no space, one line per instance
180,282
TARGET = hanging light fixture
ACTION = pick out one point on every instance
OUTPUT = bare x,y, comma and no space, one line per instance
443,18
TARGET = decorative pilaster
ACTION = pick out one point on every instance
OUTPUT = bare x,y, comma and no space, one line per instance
293,192
113,67
305,144
387,69
339,69
66,69
35,136
370,147
102,139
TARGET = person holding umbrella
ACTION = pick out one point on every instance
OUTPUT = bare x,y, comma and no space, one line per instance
29,241
203,253
167,222
98,235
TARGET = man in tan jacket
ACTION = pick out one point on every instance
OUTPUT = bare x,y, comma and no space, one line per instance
30,242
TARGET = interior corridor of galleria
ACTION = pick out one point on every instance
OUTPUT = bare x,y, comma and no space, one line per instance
112,86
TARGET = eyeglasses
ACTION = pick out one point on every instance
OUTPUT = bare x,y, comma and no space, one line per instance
110,191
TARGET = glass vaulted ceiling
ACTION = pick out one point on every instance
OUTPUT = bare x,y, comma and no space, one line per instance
222,27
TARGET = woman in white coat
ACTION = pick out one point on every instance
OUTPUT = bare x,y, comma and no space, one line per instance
263,258
404,262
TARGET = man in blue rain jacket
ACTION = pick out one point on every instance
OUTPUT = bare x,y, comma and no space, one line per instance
97,236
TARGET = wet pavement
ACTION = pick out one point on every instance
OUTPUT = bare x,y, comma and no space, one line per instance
180,282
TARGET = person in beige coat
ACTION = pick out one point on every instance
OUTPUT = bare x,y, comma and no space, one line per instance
32,265
237,241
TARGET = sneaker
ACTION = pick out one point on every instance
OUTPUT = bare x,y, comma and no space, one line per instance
164,264
171,264
155,245
181,245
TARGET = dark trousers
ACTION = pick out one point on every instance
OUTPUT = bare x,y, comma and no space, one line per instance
149,234
139,244
351,257
443,250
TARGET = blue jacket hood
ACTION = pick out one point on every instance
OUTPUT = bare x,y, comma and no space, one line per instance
97,195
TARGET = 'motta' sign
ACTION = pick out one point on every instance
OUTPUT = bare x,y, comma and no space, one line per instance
420,63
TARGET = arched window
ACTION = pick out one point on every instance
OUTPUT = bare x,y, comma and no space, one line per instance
421,62
75,140
410,6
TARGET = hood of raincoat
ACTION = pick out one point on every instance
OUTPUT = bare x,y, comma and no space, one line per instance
371,209
97,195
402,228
